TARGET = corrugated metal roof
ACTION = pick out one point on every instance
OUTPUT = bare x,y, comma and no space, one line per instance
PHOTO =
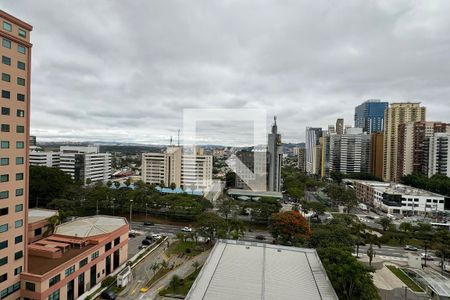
243,270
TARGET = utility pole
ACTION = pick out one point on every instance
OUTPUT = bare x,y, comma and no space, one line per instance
131,209
146,211
97,208
406,293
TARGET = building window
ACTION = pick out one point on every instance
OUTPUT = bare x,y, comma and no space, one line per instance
4,144
18,255
17,271
4,194
21,65
19,207
4,228
6,77
117,241
19,160
20,81
6,43
83,262
4,161
94,255
3,261
18,223
54,295
54,280
10,290
5,127
7,26
3,277
37,231
20,97
4,244
20,145
21,49
4,211
19,192
6,111
30,286
69,270
4,177
22,33
19,176
20,113
6,94
108,246
18,239
20,129
6,60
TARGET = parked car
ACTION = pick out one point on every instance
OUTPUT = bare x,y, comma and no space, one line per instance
143,246
146,242
147,223
108,295
260,237
186,229
131,234
410,248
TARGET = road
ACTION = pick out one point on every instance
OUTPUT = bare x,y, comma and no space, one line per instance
391,253
172,230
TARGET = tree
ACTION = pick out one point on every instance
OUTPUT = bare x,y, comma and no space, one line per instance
53,221
372,240
47,184
406,227
88,181
315,206
385,222
211,225
230,179
175,282
290,228
116,184
359,229
263,209
196,265
441,240
173,185
350,278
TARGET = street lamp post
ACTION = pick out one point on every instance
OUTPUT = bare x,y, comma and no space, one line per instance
131,209
146,211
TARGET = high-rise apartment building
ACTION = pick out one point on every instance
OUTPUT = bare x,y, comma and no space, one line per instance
349,152
253,171
370,115
14,136
301,159
412,149
275,153
438,154
340,126
174,166
396,114
312,137
376,154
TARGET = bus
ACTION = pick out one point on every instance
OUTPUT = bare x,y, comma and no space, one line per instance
441,225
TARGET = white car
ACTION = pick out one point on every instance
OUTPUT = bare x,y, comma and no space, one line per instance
156,236
186,229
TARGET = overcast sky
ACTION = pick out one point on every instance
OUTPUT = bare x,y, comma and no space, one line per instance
125,70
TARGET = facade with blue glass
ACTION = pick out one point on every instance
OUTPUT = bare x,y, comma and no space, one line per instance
370,116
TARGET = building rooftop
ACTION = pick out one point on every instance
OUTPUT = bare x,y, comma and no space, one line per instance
90,226
243,270
393,188
250,193
39,214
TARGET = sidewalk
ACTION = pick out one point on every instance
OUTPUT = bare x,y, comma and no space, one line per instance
182,271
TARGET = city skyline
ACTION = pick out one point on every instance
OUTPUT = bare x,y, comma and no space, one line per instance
131,79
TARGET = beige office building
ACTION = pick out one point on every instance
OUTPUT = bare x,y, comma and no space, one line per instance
173,166
14,136
396,114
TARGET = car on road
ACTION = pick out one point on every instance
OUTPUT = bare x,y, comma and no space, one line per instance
146,242
141,247
426,256
260,237
147,223
131,234
155,236
108,295
186,229
410,248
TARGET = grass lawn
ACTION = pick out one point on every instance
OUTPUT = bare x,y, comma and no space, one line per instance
188,248
184,288
160,273
403,277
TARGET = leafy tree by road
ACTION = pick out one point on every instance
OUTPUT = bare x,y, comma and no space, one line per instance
385,222
211,226
290,228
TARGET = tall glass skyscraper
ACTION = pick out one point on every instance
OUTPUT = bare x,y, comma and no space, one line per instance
370,115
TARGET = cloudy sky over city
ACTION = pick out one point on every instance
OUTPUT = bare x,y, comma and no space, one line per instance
124,71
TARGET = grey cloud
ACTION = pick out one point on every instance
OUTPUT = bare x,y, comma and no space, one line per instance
109,70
